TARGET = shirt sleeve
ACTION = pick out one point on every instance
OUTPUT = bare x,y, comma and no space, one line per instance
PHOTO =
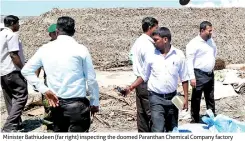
190,55
28,71
215,48
183,71
146,70
90,75
13,42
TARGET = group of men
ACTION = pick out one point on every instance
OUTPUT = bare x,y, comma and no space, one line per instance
158,66
68,69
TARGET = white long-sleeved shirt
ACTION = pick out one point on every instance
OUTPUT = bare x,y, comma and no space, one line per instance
162,72
143,45
68,66
201,55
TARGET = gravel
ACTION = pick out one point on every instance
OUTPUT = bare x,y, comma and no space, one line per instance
110,33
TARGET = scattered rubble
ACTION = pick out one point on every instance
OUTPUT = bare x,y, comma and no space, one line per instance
118,113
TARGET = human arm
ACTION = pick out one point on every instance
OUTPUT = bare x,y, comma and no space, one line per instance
28,72
190,56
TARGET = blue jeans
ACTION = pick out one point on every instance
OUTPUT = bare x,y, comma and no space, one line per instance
164,114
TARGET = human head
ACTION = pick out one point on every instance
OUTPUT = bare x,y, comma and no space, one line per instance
206,30
12,22
52,31
162,37
65,26
149,24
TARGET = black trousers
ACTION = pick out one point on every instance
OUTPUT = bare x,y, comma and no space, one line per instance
15,94
204,83
164,113
72,115
143,109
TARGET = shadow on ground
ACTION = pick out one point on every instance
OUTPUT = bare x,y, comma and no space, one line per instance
31,124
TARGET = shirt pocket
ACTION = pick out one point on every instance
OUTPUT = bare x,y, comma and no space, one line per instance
173,68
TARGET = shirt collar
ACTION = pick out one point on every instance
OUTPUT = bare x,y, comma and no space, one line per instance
7,28
201,39
171,51
65,37
148,37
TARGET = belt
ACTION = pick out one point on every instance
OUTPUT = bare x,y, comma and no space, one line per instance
72,99
165,96
207,73
77,99
66,101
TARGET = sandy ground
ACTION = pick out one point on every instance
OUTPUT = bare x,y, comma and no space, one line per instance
118,113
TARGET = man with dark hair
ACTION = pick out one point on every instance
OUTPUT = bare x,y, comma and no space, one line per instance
200,72
69,68
13,84
162,70
143,45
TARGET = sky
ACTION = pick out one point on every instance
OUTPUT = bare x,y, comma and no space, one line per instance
37,7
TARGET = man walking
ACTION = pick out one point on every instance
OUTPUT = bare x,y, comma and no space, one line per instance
13,84
69,67
142,46
162,70
201,53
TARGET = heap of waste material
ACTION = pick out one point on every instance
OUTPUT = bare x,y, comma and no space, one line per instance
110,33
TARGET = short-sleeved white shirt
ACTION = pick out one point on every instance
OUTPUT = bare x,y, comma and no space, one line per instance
142,46
9,42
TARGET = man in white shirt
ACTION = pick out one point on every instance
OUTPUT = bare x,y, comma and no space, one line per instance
162,70
142,46
201,52
69,68
13,84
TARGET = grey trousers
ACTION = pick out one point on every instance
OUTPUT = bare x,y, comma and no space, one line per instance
143,109
15,94
164,114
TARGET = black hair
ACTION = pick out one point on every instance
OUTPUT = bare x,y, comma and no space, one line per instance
148,22
204,25
163,32
66,25
10,20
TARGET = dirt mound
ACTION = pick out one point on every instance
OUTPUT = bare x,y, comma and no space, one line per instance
219,64
110,33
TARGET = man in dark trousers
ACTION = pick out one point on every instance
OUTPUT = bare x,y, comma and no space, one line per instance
69,70
162,69
13,84
142,46
201,52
